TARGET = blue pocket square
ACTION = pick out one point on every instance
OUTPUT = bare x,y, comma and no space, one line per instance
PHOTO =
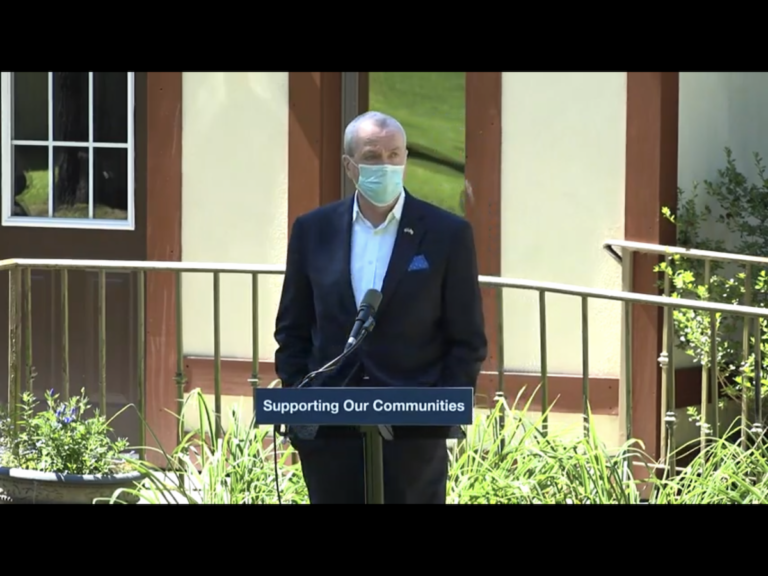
418,263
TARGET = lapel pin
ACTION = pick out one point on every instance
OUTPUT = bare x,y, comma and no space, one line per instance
408,230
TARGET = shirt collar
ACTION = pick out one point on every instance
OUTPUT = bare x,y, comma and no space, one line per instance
396,213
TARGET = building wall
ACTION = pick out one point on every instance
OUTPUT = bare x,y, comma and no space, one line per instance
235,202
719,109
563,163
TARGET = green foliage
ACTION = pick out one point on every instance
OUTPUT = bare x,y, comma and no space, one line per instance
730,216
236,469
506,459
510,460
723,473
510,463
61,439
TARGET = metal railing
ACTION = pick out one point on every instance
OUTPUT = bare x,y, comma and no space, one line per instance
21,309
709,374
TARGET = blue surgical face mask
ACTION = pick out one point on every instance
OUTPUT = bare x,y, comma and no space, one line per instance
380,183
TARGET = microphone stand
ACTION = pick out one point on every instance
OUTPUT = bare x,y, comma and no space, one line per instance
373,447
373,451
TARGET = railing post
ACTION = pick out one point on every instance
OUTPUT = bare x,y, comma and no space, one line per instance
543,358
65,334
500,396
141,359
254,379
757,426
703,417
625,378
179,376
14,337
585,365
31,373
745,356
667,364
217,353
102,313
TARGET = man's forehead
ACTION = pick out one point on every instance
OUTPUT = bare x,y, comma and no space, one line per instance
374,136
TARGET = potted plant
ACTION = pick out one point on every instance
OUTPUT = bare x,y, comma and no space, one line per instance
61,454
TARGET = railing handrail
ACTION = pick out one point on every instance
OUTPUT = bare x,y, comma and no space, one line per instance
619,296
709,376
140,265
486,281
661,250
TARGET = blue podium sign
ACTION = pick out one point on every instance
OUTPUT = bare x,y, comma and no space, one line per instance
365,406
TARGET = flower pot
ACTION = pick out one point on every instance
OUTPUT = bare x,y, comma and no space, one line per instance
19,486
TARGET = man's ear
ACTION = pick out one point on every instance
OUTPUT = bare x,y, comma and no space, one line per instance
348,164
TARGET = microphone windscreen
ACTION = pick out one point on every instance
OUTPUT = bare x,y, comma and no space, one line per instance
371,299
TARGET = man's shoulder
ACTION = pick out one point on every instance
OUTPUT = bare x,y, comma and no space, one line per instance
327,213
324,212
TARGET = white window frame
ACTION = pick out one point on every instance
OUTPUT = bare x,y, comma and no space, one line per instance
8,165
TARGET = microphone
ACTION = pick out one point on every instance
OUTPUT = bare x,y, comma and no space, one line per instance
365,317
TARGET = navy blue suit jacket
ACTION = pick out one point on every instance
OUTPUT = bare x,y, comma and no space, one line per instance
429,327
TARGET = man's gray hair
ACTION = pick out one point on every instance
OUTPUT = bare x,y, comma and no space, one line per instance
379,119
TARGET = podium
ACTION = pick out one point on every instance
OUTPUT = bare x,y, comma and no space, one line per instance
373,410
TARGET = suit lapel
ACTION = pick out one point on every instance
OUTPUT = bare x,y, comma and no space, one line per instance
344,243
410,233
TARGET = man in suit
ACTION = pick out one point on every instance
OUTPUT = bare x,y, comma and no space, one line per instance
429,325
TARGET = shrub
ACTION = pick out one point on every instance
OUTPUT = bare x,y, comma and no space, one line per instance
730,215
62,439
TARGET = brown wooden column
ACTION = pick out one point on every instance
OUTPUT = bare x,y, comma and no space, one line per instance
163,225
314,137
651,184
483,170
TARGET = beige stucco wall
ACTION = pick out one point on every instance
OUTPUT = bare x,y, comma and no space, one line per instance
563,161
234,202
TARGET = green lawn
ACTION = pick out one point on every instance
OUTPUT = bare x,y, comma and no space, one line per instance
35,200
430,106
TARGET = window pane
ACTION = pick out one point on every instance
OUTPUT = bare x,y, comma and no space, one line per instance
68,191
70,106
110,107
30,181
70,182
110,183
430,106
30,106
